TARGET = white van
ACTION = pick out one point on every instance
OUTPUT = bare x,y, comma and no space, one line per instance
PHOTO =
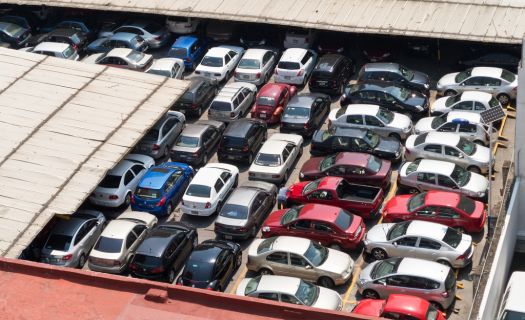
512,306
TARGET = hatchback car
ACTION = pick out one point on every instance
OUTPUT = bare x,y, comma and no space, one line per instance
256,66
182,25
331,73
502,84
167,67
295,66
197,142
88,28
211,265
395,73
367,116
118,40
300,257
14,34
299,38
197,97
244,211
448,146
421,278
241,140
163,252
77,39
447,208
233,101
155,34
468,101
70,240
271,101
190,49
305,113
255,35
399,306
159,139
54,49
122,58
219,62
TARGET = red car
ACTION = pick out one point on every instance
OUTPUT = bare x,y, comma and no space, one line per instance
355,167
359,199
448,208
329,225
399,306
271,100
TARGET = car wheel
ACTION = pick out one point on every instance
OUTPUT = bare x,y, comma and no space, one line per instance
444,262
341,89
236,182
285,178
265,136
195,242
459,229
199,111
474,169
253,232
370,294
450,93
238,262
205,159
335,246
81,261
127,199
395,136
218,208
250,158
326,282
169,209
171,276
437,305
379,254
264,272
504,99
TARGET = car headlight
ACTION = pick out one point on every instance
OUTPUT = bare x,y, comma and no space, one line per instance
301,175
397,154
407,129
265,229
426,85
419,108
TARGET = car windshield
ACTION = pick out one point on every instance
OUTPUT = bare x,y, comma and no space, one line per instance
311,186
265,101
466,204
307,293
135,56
60,242
160,72
374,164
212,61
268,160
188,96
147,261
290,215
508,76
412,166
110,181
438,121
147,193
452,100
416,201
68,52
249,64
221,106
460,77
452,237
327,162
512,315
399,92
398,230
109,245
185,141
12,29
179,53
287,65
460,175
341,112
326,134
198,190
385,115
466,146
344,220
296,112
406,73
265,245
316,254
234,211
432,313
493,102
371,138
385,267
252,285
197,271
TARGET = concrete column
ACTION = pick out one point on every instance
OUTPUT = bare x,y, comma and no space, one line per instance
519,147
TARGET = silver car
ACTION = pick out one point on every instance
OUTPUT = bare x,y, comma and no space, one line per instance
300,257
429,280
167,67
155,34
468,101
158,140
256,66
233,101
420,239
448,146
70,240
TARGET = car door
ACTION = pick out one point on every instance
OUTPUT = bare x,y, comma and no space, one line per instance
324,233
395,284
83,238
446,183
127,182
421,287
463,106
320,196
300,267
267,62
248,99
432,151
428,249
374,124
426,181
450,217
300,228
453,154
472,83
261,206
279,263
490,84
354,121
167,133
231,60
292,152
427,213
404,246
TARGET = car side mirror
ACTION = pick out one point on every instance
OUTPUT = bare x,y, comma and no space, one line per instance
308,267
394,243
461,156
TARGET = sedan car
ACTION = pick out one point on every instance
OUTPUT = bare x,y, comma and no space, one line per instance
329,225
211,265
448,208
295,66
197,142
469,101
197,97
245,210
76,38
190,49
116,189
167,67
155,35
54,49
71,239
502,84
122,58
395,73
305,113
220,62
300,257
271,101
256,66
275,161
448,146
368,116
356,167
497,59
118,40
209,189
399,306
117,243
14,34
290,290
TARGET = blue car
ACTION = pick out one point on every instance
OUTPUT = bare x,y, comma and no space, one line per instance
190,49
161,187
118,40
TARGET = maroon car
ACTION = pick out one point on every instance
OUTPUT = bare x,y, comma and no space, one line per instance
271,100
355,167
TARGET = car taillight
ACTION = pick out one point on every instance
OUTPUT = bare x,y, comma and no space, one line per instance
113,197
187,60
253,109
75,47
161,202
67,257
245,148
133,266
158,37
194,106
444,294
258,75
232,114
155,147
306,126
300,73
157,270
132,198
209,288
207,205
461,257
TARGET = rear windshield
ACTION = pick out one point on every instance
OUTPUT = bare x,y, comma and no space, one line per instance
451,100
420,139
147,261
68,52
290,215
311,186
512,315
416,201
508,76
177,53
343,220
221,106
211,61
438,121
110,181
189,142
494,102
450,281
249,64
266,101
147,193
412,166
59,242
266,245
466,204
12,29
198,271
432,313
452,237
287,65
232,141
198,190
234,211
109,245
296,112
266,159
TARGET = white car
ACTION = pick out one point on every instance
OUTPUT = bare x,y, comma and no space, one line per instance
182,25
275,161
117,187
54,49
121,58
220,62
368,116
470,101
290,290
118,241
256,66
299,38
167,67
295,66
209,189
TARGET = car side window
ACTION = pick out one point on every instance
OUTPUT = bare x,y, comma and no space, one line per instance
474,81
407,242
398,281
449,151
448,213
81,233
427,211
426,177
278,257
422,283
354,119
360,144
468,128
435,148
168,125
225,176
175,69
301,224
128,177
463,105
218,185
446,181
170,182
269,296
285,154
289,299
297,260
227,59
429,244
137,168
322,227
373,121
130,239
493,82
478,106
448,127
306,57
341,142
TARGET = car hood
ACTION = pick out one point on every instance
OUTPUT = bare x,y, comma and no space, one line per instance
439,105
482,154
311,166
400,121
185,149
398,204
274,219
447,80
420,78
337,262
230,221
477,183
328,299
424,125
378,232
388,145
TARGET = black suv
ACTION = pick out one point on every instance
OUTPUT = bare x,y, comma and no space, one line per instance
163,252
331,73
242,139
395,73
198,96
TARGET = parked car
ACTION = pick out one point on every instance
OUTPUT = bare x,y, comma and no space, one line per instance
379,49
389,96
256,66
331,73
244,211
221,31
290,290
163,252
161,187
275,161
54,49
220,62
116,189
118,40
14,34
241,140
421,278
255,35
117,243
299,38
21,19
334,140
496,59
159,139
375,118
71,239
271,101
167,67
448,208
362,200
295,66
395,73
211,265
190,48
423,47
197,142
156,35
305,113
450,147
511,305
88,28
502,84
122,58
329,225
399,306
198,96
328,42
468,101
424,174
77,39
182,25
355,167
209,189
233,101
300,257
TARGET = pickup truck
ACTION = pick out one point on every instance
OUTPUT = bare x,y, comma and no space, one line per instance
362,200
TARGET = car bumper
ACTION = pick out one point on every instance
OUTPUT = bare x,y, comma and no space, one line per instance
113,270
256,82
61,263
327,90
156,44
193,161
232,234
233,156
268,178
300,131
198,212
343,280
268,117
156,211
289,79
156,277
106,203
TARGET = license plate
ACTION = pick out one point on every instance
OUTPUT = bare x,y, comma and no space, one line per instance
287,77
227,237
245,77
194,212
294,41
230,157
207,74
263,115
322,83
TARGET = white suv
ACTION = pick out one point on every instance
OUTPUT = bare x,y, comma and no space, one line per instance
295,66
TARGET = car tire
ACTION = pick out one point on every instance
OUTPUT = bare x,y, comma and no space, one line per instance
226,77
504,99
219,207
127,199
238,262
199,111
474,169
444,262
265,271
285,178
395,136
81,261
326,282
253,232
370,294
205,159
341,89
335,246
379,254
250,158
236,182
437,305
171,276
169,209
450,93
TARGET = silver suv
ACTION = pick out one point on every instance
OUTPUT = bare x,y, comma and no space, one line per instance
232,102
158,140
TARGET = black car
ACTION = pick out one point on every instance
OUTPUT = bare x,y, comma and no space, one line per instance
17,36
305,113
331,73
77,39
211,265
503,60
242,139
163,252
255,35
395,73
198,96
325,142
391,96
330,42
197,142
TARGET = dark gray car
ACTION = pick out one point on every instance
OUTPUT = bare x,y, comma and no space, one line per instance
198,96
159,139
305,113
396,73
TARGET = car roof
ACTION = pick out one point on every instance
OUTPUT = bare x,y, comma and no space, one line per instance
254,53
156,176
163,64
206,252
195,83
476,96
486,72
293,54
206,175
406,304
352,158
442,198
156,242
423,268
273,146
271,89
436,166
364,109
51,46
319,212
229,91
304,100
217,52
121,168
194,130
118,228
471,117
238,128
119,52
373,85
281,284
123,36
425,228
328,61
242,196
291,244
329,183
382,66
68,226
64,32
515,296
442,138
184,41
